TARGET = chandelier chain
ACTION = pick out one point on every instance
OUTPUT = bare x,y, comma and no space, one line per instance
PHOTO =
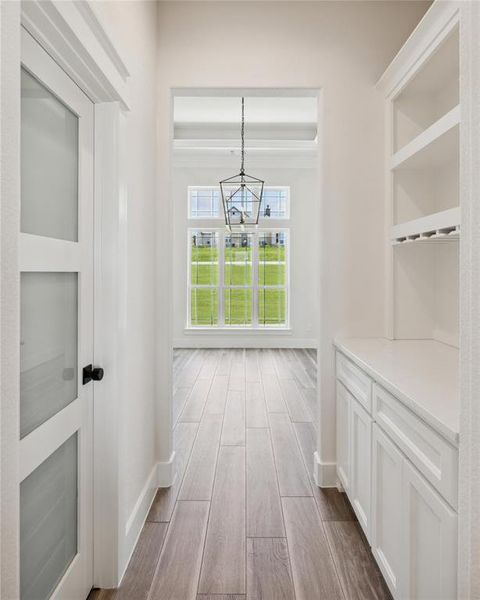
242,194
242,168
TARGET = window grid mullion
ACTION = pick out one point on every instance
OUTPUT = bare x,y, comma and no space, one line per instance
255,279
221,277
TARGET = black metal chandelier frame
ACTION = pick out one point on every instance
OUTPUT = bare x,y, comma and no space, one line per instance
241,187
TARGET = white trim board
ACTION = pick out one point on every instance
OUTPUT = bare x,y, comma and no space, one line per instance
324,474
261,340
165,472
469,452
9,297
136,520
161,476
109,335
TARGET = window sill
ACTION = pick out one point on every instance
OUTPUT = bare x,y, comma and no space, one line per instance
237,330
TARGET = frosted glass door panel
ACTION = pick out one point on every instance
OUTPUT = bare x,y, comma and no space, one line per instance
48,347
56,331
48,522
49,163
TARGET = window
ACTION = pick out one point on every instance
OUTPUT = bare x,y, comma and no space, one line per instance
272,278
276,201
205,202
238,279
204,278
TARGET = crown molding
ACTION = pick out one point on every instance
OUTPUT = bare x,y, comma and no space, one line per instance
72,33
439,20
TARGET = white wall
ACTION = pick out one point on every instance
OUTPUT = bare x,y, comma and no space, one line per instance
341,47
303,257
132,26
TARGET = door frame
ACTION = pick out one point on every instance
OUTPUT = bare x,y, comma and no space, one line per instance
73,34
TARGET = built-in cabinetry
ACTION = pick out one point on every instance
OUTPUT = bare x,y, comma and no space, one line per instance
398,396
397,459
421,88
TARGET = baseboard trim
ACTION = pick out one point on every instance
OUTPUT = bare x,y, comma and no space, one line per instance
137,518
261,341
165,472
162,475
324,474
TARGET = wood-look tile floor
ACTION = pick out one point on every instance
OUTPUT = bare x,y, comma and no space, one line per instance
244,520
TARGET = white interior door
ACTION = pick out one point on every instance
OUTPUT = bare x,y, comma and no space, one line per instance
56,264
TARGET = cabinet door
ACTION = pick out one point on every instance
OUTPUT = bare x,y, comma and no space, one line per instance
343,436
360,453
386,507
429,545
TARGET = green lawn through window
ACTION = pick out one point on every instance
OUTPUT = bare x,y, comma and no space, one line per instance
238,271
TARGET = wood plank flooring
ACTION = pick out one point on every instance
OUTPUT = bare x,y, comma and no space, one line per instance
244,519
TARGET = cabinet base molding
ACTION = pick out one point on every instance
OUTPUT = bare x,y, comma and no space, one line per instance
324,474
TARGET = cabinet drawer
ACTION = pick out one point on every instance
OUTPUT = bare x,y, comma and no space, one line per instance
433,456
355,380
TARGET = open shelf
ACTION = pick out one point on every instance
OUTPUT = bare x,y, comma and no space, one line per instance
431,92
435,146
440,226
423,100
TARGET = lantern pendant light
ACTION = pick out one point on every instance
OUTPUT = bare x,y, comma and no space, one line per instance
241,194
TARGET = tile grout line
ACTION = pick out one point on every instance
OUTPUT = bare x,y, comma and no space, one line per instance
159,556
330,551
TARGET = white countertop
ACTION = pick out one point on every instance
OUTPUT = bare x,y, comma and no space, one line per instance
423,374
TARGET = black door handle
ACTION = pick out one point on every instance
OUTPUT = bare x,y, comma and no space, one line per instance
91,373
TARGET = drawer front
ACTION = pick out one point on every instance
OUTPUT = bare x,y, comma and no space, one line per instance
433,456
355,380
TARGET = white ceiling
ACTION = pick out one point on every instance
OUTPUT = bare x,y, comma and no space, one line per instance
262,110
